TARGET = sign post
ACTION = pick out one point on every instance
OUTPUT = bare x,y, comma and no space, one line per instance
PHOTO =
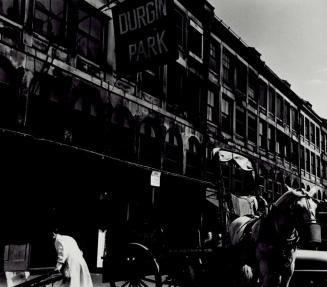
144,34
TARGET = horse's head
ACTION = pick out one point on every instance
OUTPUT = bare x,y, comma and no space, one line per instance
302,207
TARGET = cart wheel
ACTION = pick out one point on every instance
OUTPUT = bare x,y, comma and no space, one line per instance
138,268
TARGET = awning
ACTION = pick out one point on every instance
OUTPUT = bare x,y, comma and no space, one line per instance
225,156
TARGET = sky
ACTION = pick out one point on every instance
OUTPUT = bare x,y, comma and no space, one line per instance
291,36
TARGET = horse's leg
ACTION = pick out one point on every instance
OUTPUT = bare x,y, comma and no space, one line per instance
288,273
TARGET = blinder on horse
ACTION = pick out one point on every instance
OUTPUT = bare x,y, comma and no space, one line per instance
309,228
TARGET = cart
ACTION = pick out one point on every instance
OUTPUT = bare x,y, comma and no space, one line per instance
168,237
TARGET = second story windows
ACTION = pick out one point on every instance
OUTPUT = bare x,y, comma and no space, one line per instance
226,114
228,72
195,40
271,102
90,34
12,9
211,107
279,108
241,73
252,90
252,128
214,56
263,96
50,19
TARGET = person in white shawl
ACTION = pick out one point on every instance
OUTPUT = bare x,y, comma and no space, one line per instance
70,262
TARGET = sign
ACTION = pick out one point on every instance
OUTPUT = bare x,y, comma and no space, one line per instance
155,178
144,34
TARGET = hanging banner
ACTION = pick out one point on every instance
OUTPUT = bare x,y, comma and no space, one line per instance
144,34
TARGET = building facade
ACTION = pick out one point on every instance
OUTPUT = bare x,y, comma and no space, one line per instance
71,128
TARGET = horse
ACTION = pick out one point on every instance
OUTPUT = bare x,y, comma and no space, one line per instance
265,246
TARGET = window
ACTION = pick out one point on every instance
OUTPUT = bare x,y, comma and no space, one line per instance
323,142
227,68
195,35
279,109
193,93
193,158
226,115
149,145
302,160
241,73
252,90
50,19
211,107
271,139
11,9
295,153
307,129
214,56
173,160
294,119
263,134
180,28
240,121
90,34
287,113
252,128
263,95
318,137
280,143
318,166
307,160
312,133
151,82
287,148
271,101
302,125
313,163
176,86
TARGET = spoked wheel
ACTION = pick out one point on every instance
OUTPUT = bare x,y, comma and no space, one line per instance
137,268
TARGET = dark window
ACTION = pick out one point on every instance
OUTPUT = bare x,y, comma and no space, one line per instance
287,112
151,82
195,41
252,90
271,101
214,56
280,143
295,153
176,86
192,97
302,158
180,28
279,108
263,135
241,73
263,95
313,163
252,128
173,152
149,145
271,139
318,137
240,121
302,125
307,160
294,119
287,148
212,114
307,129
312,133
226,114
227,68
323,142
50,19
12,9
318,166
193,158
90,34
